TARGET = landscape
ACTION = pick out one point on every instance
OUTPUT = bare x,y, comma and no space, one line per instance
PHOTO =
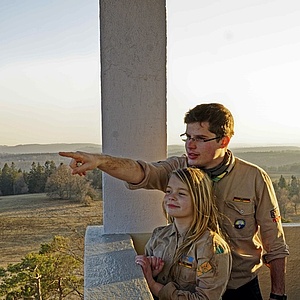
29,220
276,160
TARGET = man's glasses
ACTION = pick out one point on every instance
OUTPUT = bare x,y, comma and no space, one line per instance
197,139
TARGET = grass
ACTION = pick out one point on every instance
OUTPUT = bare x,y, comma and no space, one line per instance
27,221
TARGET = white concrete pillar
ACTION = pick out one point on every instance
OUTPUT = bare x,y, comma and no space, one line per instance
133,91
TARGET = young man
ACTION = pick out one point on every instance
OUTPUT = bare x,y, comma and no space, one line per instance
243,193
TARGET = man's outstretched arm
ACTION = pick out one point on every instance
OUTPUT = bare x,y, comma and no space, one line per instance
125,169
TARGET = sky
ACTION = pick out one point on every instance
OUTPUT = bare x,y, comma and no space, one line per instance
49,72
244,54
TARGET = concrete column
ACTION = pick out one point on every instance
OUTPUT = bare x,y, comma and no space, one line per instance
133,91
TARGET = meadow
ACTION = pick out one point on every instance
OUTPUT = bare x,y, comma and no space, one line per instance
27,221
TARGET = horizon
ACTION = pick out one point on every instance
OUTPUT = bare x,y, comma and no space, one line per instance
232,145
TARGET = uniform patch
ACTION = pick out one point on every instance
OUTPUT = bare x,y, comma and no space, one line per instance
219,249
275,215
204,268
244,200
239,224
186,261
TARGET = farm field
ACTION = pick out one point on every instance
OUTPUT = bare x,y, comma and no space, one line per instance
27,221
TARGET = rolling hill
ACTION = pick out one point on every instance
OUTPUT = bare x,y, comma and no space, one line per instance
24,155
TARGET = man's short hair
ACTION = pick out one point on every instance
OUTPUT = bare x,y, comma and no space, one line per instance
217,115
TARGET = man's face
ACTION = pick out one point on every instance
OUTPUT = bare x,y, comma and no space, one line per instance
200,153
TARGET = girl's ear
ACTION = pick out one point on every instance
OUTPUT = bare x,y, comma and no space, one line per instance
225,141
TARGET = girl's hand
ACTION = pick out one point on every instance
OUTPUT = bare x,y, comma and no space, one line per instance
146,267
151,265
146,264
156,263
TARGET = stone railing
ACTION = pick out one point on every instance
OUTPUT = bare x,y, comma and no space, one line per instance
109,268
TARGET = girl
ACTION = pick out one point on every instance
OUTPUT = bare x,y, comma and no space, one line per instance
187,259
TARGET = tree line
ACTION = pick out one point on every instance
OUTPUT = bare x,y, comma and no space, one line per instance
56,181
288,195
59,183
292,168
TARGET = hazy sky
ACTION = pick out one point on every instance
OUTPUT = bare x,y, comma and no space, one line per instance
49,71
244,54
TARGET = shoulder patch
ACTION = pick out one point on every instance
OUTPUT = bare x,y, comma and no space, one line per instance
204,268
219,249
275,215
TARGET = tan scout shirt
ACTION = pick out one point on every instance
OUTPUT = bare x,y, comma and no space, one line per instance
202,274
247,202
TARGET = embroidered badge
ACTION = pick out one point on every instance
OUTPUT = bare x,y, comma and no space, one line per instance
186,261
219,249
239,224
204,268
275,215
238,199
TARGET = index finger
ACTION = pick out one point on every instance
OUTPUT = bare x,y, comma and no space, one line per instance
69,154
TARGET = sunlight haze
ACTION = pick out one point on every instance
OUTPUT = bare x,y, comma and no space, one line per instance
244,54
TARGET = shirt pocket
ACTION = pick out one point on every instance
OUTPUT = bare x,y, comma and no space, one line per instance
239,219
186,277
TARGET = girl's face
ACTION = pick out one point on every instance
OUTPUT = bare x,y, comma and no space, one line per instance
177,199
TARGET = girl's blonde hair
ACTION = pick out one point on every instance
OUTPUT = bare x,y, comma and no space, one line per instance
205,214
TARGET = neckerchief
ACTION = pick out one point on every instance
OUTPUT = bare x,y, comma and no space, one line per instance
221,170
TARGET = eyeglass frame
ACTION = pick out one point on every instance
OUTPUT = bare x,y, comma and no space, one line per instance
198,139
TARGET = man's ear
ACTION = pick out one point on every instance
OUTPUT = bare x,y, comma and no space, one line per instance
225,141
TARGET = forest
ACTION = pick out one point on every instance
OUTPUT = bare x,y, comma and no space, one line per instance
56,181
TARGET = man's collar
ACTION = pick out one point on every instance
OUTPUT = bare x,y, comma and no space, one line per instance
221,170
